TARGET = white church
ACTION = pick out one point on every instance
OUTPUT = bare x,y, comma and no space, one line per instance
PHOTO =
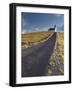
53,29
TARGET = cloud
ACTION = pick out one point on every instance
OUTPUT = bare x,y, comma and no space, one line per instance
24,23
35,29
40,29
58,15
60,28
53,14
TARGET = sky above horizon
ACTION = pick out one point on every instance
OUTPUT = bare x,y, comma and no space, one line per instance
35,22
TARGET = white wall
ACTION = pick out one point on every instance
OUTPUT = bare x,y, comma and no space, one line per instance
4,44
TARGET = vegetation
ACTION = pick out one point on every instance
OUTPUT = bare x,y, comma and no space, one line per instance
56,62
31,39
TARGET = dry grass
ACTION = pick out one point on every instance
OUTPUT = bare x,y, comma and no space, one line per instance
60,46
31,39
56,62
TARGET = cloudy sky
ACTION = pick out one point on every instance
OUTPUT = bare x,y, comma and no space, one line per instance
34,22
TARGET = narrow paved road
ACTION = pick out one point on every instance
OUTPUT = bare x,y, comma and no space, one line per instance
35,59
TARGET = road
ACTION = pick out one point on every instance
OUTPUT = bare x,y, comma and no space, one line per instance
35,59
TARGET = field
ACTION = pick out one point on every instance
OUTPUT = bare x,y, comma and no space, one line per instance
56,62
30,39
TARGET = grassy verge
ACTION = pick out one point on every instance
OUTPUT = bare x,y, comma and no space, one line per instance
56,62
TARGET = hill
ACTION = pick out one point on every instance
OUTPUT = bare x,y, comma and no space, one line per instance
30,39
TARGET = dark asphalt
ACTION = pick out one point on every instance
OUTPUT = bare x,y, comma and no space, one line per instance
35,59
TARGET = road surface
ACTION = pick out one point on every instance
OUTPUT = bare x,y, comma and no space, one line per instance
35,59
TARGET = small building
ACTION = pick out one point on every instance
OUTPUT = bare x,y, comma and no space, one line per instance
53,29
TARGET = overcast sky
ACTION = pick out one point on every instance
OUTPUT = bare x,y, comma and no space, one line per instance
34,22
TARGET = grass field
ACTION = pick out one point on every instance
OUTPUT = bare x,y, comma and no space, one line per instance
30,39
56,62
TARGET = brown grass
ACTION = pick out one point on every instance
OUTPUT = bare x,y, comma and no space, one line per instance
31,39
56,62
